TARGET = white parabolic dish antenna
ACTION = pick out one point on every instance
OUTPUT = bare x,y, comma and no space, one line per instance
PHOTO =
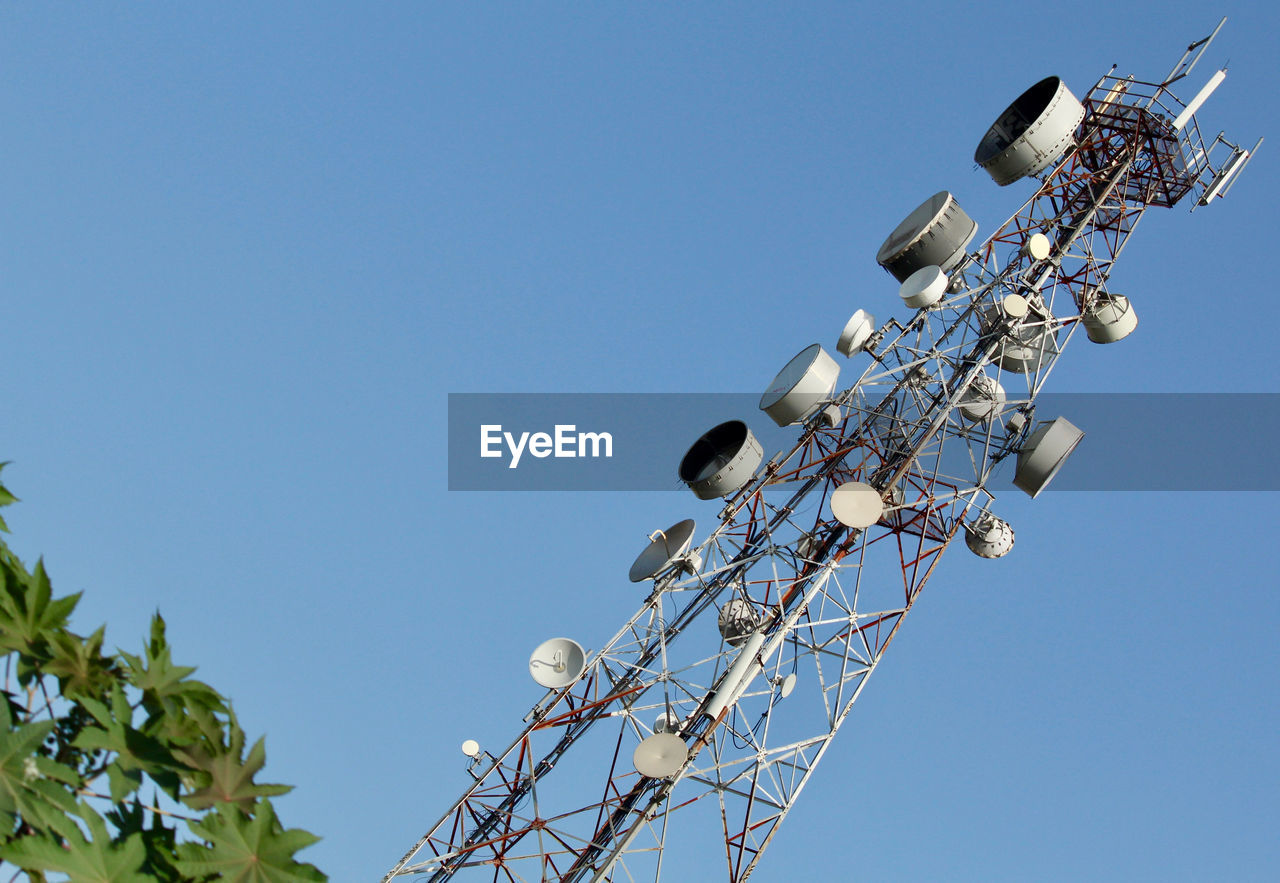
660,755
1031,133
557,662
856,333
801,386
721,461
1109,318
924,288
935,233
662,551
1044,453
856,504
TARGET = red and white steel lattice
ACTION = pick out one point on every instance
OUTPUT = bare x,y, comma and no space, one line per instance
564,802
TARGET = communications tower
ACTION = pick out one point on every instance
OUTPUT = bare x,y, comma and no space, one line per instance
703,717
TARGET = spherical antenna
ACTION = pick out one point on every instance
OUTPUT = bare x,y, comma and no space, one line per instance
663,551
667,722
737,621
787,684
988,536
660,755
471,748
557,663
1028,338
856,504
983,400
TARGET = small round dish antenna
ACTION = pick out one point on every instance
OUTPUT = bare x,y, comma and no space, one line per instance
1037,246
1031,133
665,547
924,288
1015,306
786,685
557,663
857,331
660,755
856,504
721,461
1044,453
936,232
1109,318
470,747
801,386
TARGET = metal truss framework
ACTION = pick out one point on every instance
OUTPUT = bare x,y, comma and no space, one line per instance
810,596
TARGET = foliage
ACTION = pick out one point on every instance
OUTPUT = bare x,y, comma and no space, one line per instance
102,756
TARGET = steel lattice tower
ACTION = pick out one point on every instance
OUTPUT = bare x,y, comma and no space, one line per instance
948,396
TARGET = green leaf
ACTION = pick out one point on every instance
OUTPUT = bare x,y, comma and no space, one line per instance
24,790
5,497
123,782
229,776
51,769
95,859
243,849
79,665
134,750
158,840
28,611
189,741
166,688
10,710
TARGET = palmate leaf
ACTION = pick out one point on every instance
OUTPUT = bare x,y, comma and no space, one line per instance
229,776
158,840
134,750
96,859
79,665
165,686
26,787
241,849
5,499
29,613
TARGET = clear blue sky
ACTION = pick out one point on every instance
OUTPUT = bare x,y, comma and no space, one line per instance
246,250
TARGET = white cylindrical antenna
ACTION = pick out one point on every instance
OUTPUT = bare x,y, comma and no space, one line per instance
1201,97
739,677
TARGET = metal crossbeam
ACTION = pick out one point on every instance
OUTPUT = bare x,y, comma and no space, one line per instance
564,802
